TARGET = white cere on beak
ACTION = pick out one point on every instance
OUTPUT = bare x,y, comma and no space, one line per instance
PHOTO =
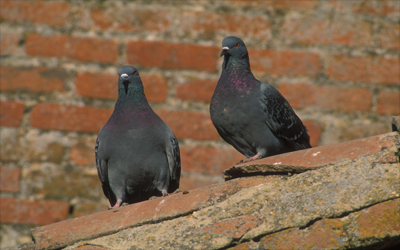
124,75
225,48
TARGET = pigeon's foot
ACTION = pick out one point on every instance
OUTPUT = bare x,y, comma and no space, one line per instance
177,191
117,204
164,193
256,157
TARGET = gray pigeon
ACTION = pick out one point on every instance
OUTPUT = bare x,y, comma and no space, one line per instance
251,115
137,154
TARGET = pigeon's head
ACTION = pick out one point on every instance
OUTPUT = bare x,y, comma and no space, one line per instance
233,46
128,78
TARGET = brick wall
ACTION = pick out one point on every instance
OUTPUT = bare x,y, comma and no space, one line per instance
337,63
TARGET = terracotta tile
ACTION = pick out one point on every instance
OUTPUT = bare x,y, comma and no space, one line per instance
377,148
66,232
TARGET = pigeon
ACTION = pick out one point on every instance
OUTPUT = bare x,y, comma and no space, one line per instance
252,115
137,154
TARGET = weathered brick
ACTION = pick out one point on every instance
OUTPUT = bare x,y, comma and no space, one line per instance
173,55
9,144
389,102
41,79
327,97
389,36
69,118
209,25
364,69
52,182
8,42
11,113
208,160
236,227
379,221
54,13
318,30
106,86
130,19
86,49
365,6
89,207
188,124
285,63
314,131
32,212
197,90
9,179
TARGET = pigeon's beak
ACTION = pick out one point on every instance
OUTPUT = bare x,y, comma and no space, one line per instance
124,77
224,51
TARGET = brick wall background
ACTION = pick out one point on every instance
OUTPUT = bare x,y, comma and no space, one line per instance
337,63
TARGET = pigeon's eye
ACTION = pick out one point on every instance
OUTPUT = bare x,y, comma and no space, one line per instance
237,45
135,73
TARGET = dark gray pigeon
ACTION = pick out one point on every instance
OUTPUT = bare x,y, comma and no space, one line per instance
137,154
251,115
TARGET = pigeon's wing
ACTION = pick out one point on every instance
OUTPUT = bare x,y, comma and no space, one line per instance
280,117
174,161
102,171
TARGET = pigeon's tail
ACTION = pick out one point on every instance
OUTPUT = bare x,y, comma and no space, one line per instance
303,142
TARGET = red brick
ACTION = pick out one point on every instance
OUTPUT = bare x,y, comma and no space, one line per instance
188,124
389,102
365,6
32,212
209,25
82,153
11,113
173,55
130,19
69,118
106,86
303,4
197,181
327,97
285,63
9,179
85,49
55,13
314,131
197,90
364,69
389,36
279,4
208,160
41,79
8,42
314,30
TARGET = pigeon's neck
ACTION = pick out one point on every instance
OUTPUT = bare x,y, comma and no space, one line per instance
132,96
233,63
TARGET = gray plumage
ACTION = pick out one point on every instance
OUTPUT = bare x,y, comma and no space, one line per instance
137,154
251,115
